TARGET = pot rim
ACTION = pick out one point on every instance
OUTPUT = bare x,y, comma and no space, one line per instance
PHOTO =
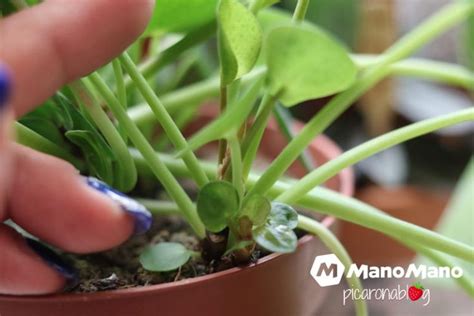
346,187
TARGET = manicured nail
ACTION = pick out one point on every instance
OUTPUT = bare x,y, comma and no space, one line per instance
140,214
55,262
5,86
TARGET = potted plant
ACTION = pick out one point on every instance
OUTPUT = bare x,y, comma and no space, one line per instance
245,223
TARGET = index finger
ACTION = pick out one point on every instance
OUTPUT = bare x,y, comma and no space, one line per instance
58,41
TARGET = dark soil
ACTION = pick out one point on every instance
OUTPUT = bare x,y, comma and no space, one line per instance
121,269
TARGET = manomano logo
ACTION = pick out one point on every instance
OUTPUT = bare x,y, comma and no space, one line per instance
328,270
412,271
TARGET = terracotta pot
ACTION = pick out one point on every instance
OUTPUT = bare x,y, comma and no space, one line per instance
276,285
412,204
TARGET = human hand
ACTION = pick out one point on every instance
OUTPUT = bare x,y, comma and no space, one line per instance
41,49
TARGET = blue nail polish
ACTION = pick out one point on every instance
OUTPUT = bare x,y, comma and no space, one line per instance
5,86
140,214
55,262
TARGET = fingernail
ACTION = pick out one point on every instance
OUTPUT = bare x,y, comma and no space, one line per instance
140,214
55,262
5,86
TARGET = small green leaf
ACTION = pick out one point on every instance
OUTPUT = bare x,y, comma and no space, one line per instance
217,202
277,234
240,39
283,214
165,256
180,16
305,63
276,239
256,208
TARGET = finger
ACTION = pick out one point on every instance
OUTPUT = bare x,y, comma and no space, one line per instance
24,271
5,129
52,201
60,40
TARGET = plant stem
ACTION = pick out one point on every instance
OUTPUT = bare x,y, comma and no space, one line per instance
193,94
189,95
333,244
158,168
442,72
236,161
254,136
119,80
284,120
160,207
438,23
370,148
328,202
300,10
121,91
349,209
222,142
190,40
165,120
127,173
30,138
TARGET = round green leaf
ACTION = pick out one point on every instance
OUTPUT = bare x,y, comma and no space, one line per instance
256,208
277,234
165,256
305,63
240,39
216,203
283,214
278,238
180,15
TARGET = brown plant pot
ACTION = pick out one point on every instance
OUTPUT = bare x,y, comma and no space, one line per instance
412,204
276,285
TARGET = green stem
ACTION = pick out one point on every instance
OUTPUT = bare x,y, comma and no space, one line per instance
195,37
195,93
254,136
30,138
349,209
236,161
435,25
165,120
300,10
333,244
285,122
120,82
222,108
442,72
158,168
160,207
367,149
127,173
121,91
